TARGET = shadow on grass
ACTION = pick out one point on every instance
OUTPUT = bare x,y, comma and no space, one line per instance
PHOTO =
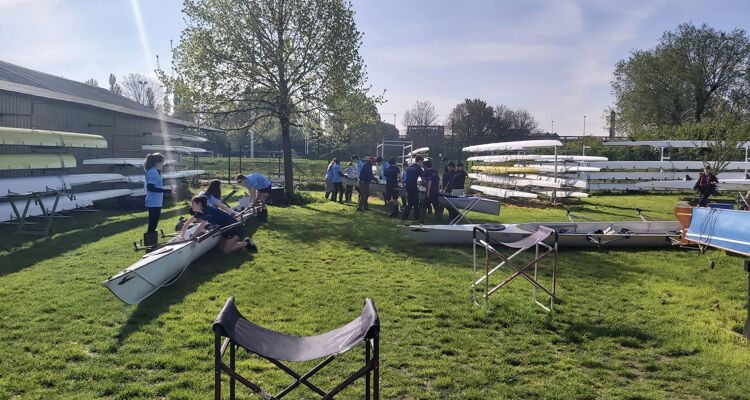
44,249
579,332
202,270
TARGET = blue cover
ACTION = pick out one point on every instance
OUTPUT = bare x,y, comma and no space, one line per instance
724,229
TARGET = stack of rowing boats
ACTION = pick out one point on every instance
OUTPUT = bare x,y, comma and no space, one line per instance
526,176
56,191
665,174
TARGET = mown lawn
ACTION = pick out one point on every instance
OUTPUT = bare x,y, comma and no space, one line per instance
639,325
306,172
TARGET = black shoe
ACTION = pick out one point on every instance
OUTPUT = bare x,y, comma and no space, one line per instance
250,246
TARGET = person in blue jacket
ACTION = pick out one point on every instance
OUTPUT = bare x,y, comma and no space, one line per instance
258,186
338,185
232,239
155,189
212,192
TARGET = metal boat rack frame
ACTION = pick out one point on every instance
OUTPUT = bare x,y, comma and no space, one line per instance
21,202
406,147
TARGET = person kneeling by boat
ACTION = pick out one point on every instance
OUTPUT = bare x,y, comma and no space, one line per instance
233,239
258,186
212,192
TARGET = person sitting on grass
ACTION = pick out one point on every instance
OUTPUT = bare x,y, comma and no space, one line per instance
259,187
213,193
232,239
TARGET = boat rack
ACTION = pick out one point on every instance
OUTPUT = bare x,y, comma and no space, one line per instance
21,202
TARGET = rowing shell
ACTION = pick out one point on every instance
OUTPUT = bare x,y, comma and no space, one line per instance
166,264
622,234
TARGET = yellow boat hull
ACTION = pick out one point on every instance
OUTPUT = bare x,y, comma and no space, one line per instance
36,161
504,170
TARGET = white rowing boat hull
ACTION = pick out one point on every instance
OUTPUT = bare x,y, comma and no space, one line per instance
514,181
625,234
512,146
154,269
375,188
564,193
477,204
33,184
576,183
168,175
534,157
162,266
174,149
503,193
664,165
133,162
65,203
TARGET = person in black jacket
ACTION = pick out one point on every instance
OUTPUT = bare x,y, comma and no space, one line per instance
365,177
706,186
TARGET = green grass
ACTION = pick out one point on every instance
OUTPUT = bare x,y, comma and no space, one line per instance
630,324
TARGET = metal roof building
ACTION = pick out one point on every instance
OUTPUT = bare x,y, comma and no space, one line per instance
35,100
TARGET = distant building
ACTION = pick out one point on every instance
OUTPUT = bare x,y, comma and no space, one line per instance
36,100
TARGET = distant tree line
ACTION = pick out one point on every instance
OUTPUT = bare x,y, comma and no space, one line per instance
474,120
693,85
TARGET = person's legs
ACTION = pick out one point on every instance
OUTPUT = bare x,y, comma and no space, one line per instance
232,244
349,189
153,218
340,190
360,200
703,200
365,188
435,203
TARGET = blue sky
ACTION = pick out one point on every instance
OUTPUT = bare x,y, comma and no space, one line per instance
552,57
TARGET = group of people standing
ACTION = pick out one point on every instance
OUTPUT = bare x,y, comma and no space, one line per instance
418,187
206,208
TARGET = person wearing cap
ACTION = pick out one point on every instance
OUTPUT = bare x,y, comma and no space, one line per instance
411,176
447,178
364,180
432,183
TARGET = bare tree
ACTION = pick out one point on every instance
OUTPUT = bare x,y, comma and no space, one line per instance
421,114
92,82
144,90
507,118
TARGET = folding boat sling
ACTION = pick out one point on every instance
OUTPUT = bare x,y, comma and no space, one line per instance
461,213
481,238
277,347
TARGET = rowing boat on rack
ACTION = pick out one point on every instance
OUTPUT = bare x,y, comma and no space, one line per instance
622,234
164,265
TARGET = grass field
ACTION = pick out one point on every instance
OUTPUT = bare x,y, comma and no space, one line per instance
306,172
638,325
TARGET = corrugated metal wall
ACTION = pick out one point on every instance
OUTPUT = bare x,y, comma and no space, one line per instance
125,134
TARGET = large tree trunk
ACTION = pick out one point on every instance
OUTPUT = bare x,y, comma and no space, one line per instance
286,149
